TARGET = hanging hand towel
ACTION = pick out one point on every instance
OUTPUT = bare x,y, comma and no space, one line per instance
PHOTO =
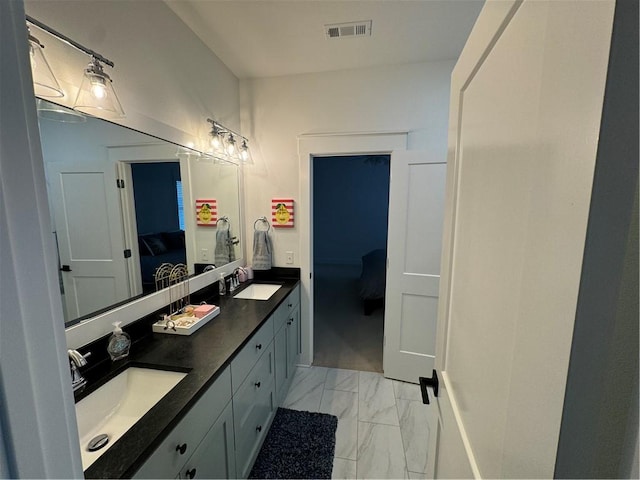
230,242
261,250
221,253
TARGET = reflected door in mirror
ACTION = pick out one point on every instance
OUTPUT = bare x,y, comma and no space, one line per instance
86,209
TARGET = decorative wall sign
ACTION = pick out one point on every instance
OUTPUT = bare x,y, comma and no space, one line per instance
282,212
206,212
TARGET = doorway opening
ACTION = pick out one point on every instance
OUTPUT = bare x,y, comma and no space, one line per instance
350,211
159,212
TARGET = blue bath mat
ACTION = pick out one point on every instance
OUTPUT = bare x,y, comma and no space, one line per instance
298,445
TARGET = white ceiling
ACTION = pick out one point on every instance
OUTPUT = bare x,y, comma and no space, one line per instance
265,38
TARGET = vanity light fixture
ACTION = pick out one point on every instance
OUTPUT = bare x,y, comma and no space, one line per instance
45,83
228,146
96,93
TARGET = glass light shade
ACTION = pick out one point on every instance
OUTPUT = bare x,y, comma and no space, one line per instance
217,140
245,153
231,146
96,95
45,83
57,113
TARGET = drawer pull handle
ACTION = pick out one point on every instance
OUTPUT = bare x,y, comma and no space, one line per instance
259,428
259,346
257,384
191,473
181,448
290,321
290,305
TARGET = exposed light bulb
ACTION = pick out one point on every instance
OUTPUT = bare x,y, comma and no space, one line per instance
215,141
98,90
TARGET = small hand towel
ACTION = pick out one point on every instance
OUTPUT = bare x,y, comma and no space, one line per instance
261,250
221,252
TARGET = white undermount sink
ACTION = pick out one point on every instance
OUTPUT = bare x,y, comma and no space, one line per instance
117,405
258,291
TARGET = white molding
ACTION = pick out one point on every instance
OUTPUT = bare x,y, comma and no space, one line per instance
326,144
37,409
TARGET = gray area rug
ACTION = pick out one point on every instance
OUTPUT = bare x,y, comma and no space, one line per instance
298,445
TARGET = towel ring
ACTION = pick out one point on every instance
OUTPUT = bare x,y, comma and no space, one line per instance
263,220
224,219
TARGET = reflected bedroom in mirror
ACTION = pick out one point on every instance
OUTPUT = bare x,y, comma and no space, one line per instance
123,203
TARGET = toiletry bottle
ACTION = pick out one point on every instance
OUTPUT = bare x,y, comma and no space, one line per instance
222,288
119,343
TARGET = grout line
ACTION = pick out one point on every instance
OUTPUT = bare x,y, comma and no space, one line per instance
404,447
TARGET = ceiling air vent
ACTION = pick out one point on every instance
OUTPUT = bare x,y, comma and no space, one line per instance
351,29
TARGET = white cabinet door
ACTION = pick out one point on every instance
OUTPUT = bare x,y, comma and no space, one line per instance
88,222
526,104
215,456
416,209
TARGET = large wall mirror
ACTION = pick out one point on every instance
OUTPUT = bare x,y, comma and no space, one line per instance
122,203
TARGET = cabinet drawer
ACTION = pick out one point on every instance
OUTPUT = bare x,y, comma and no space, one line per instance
245,400
167,460
250,353
293,300
280,316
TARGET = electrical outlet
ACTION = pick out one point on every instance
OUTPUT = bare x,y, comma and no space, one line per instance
289,258
204,254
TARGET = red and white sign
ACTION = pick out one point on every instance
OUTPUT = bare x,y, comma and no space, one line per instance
282,212
206,212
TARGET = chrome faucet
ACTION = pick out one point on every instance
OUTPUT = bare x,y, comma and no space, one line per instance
77,360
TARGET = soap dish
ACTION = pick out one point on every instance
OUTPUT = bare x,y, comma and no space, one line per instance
184,324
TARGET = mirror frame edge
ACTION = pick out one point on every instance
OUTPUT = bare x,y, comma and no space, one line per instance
90,329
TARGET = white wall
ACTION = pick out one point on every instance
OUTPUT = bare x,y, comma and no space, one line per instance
168,81
275,111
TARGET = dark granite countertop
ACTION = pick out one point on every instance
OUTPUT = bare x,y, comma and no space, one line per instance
204,355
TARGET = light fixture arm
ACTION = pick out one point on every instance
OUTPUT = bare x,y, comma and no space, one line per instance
219,128
68,40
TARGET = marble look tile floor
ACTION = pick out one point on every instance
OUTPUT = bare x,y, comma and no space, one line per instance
382,423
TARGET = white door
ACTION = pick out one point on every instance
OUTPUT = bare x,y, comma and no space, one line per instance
88,223
526,103
414,246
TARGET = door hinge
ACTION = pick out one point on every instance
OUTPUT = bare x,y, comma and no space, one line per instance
127,253
310,275
119,183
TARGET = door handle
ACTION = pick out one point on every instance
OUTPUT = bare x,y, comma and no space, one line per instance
65,268
429,382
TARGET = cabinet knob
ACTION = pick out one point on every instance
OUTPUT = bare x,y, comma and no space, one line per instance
259,428
181,448
259,346
191,473
290,321
290,305
257,384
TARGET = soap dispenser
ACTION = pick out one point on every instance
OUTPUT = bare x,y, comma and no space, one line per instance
119,343
222,288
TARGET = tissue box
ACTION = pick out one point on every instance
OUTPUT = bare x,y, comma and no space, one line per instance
203,310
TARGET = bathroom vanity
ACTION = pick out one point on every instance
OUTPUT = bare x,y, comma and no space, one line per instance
212,424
